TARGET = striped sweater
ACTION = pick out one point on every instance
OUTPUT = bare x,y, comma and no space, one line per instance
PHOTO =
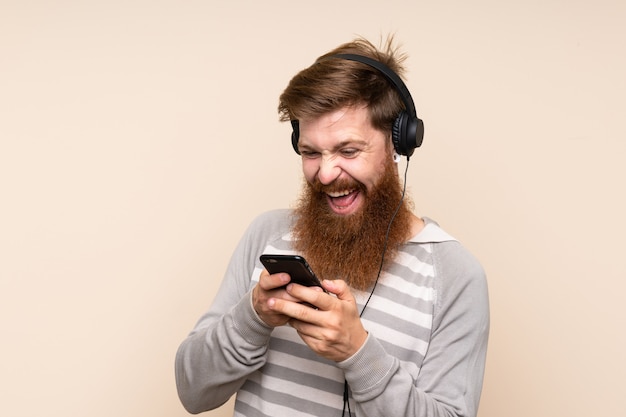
427,320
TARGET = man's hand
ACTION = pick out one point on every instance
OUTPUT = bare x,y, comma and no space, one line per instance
333,330
268,288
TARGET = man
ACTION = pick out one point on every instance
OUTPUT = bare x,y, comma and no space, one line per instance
402,326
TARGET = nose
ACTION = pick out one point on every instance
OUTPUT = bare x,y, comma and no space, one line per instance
329,170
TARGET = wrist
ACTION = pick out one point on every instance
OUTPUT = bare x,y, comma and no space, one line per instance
368,366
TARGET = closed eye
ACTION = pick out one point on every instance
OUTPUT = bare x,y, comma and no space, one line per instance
308,154
350,152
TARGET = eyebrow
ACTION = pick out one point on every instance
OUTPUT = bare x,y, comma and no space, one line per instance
342,144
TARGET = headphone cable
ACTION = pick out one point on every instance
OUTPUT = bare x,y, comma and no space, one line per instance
346,396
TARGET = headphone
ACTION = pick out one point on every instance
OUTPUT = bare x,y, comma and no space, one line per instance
407,132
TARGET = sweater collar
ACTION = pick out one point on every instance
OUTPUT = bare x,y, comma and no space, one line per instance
431,233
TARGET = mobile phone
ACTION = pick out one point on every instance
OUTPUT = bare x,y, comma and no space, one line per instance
296,266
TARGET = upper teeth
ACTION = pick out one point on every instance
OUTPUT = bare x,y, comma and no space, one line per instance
339,193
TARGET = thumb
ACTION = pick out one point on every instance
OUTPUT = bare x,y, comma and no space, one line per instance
338,287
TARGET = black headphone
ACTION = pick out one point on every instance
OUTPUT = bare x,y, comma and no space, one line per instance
407,132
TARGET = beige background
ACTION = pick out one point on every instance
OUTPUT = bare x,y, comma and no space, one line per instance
139,139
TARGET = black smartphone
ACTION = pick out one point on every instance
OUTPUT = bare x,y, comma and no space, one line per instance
296,266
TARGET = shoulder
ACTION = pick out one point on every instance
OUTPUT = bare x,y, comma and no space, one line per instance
449,255
459,276
456,260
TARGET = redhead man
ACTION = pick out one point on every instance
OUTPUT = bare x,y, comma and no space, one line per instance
400,324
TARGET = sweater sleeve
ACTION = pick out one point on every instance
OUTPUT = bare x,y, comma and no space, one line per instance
230,341
450,379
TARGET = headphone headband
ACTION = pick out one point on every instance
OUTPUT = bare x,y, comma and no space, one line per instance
397,82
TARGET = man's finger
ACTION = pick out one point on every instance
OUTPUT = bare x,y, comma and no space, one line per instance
270,282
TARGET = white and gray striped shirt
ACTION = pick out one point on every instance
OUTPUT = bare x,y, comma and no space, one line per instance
427,321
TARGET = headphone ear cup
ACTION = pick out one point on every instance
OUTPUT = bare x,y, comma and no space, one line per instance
295,135
407,133
397,133
414,134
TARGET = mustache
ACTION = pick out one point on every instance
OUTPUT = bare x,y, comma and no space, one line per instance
336,186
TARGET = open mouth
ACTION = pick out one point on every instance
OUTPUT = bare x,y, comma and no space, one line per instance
343,202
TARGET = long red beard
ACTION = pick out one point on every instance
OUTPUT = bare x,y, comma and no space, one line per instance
351,247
